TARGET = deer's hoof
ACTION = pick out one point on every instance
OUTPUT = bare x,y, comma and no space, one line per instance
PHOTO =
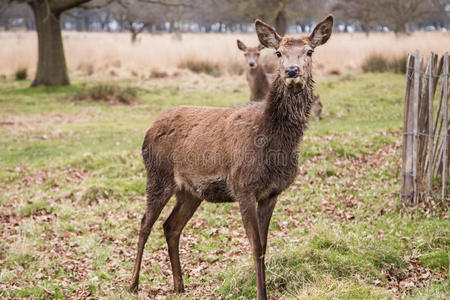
133,288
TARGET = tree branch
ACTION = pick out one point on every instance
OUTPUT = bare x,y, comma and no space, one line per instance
102,5
63,5
69,14
167,4
3,9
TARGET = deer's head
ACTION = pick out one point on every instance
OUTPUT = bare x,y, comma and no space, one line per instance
295,53
251,54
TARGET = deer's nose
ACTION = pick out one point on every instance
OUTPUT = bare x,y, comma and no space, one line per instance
251,64
292,71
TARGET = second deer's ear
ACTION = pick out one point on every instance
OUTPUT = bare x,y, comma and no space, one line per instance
260,47
241,45
266,35
322,32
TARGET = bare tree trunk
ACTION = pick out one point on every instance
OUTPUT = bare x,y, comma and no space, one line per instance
79,24
6,23
52,69
86,22
401,27
366,29
134,35
281,22
30,24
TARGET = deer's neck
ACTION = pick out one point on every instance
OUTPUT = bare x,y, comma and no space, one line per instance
255,72
286,113
258,83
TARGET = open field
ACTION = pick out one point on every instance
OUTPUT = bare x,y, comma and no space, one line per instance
72,194
97,54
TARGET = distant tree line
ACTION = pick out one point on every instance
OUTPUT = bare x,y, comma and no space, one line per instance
49,17
176,16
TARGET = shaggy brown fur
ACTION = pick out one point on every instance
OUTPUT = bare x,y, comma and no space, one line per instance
247,154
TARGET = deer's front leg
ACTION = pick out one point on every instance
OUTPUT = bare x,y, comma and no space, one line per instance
250,219
265,210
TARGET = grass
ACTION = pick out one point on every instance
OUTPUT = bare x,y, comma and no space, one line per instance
72,195
107,93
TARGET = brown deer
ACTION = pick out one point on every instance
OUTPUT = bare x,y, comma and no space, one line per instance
317,107
259,76
246,154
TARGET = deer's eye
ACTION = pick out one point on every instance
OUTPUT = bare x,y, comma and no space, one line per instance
278,53
310,52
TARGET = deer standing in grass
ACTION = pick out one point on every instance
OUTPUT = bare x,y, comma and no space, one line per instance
246,154
260,75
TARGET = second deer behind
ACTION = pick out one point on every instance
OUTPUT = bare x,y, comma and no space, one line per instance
259,76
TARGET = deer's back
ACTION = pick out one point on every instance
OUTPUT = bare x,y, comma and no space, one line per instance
202,146
190,128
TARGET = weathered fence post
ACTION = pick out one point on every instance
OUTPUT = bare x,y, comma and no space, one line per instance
430,123
445,120
415,118
407,184
425,138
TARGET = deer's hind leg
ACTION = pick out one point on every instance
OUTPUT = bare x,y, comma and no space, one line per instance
159,190
183,211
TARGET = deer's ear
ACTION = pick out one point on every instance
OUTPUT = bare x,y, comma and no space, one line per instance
241,45
267,36
260,47
322,32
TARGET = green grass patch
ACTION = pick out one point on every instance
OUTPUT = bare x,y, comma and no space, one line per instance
72,195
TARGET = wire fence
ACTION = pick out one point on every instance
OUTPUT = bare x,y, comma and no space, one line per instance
425,163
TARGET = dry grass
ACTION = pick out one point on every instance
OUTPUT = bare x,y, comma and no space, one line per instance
201,66
107,53
379,63
107,93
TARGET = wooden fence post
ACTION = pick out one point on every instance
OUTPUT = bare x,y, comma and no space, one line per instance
407,184
445,131
430,123
415,117
423,127
426,140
